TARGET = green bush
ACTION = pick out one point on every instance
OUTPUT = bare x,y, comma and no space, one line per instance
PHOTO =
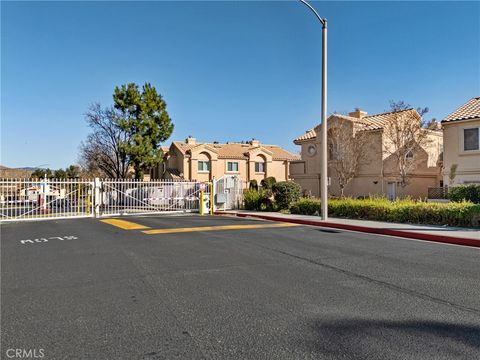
465,193
285,193
268,183
368,209
402,211
253,185
257,200
305,206
252,199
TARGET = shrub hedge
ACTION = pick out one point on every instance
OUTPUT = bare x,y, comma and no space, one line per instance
465,193
257,200
285,193
252,199
268,183
305,206
402,211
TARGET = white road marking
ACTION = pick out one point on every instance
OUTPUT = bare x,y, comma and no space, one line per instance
43,240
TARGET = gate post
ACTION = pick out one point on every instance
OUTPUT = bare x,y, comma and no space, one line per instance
96,197
211,197
212,192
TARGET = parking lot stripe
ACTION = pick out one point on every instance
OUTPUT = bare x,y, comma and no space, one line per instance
216,228
123,224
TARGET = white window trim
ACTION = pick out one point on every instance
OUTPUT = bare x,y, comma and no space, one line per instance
234,171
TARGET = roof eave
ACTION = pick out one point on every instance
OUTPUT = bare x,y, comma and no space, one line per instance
460,119
299,142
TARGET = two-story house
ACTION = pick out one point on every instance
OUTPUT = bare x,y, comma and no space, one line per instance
190,160
377,172
461,138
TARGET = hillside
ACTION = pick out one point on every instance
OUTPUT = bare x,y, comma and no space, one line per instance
6,172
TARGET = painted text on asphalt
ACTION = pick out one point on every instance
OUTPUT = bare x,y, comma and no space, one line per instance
43,239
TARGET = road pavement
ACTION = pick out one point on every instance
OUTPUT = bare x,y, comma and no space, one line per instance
164,288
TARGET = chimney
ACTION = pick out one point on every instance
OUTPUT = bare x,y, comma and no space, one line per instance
359,114
254,142
190,141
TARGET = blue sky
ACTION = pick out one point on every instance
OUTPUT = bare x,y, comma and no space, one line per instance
229,71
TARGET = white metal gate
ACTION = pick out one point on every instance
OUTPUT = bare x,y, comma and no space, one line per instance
228,192
29,199
128,197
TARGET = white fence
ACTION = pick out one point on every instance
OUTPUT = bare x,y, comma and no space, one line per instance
27,199
124,197
228,192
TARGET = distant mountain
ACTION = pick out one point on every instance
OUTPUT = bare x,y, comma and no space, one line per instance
6,172
29,168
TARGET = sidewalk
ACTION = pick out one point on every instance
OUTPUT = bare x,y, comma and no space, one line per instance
444,234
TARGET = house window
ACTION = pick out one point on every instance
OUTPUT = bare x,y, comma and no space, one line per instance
410,155
470,139
332,151
260,167
203,165
232,166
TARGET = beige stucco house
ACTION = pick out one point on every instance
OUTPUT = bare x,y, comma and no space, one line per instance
461,138
377,171
190,160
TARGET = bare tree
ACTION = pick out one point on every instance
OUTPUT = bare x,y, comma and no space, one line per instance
102,153
346,151
406,134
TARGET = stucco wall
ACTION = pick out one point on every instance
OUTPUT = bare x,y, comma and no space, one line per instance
468,162
188,165
376,170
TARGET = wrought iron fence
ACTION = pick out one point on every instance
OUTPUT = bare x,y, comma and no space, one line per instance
228,192
124,197
438,192
25,199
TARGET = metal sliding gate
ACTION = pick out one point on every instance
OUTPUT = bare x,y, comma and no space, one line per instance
27,199
124,197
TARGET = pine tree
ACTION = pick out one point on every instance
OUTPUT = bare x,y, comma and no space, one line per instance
146,120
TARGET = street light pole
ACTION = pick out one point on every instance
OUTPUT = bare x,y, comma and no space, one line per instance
323,136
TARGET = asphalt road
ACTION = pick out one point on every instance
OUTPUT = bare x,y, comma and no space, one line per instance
97,291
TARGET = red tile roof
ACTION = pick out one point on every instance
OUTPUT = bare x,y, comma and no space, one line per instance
309,134
371,122
240,151
469,110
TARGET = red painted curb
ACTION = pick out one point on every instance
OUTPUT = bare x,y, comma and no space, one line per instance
365,229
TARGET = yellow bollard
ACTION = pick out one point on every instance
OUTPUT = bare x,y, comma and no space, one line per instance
201,203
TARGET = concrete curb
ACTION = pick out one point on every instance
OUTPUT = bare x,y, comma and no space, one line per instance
365,229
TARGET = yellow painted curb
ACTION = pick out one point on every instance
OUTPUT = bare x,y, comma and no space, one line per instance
123,224
217,228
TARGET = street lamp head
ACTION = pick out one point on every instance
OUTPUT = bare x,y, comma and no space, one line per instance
322,21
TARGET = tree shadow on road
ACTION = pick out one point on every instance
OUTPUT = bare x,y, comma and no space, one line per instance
384,339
